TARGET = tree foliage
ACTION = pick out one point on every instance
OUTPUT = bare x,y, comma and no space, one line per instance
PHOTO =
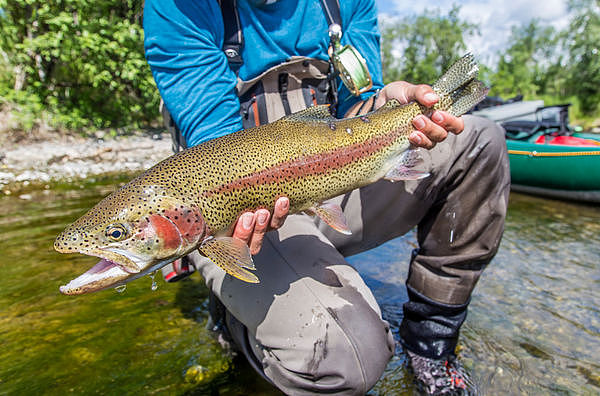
431,42
524,67
539,62
81,61
583,41
80,64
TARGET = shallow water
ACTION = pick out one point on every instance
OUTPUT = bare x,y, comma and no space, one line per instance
533,326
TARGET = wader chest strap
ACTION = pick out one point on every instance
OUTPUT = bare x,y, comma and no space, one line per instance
233,39
284,89
332,12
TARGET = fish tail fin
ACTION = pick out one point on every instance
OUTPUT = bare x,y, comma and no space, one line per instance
458,88
458,75
465,98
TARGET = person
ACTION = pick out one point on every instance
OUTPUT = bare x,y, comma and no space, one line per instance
312,325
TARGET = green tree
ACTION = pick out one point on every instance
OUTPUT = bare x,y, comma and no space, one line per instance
583,38
430,43
80,60
527,66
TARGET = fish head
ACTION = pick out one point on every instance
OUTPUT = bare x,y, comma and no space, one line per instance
136,230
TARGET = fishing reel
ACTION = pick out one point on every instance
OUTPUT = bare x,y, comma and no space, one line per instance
349,63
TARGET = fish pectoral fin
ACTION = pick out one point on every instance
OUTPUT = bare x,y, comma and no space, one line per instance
405,167
232,255
333,215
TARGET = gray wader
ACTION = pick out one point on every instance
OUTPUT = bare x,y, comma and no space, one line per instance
313,326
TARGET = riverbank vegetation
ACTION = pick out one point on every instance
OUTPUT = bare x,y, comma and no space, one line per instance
540,62
79,65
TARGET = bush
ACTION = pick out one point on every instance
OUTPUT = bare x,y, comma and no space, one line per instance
80,62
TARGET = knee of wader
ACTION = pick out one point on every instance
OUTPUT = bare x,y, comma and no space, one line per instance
340,362
490,136
487,151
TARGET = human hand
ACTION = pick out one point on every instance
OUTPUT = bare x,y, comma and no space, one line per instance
252,226
429,131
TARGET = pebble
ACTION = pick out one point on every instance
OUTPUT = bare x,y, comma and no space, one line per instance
70,160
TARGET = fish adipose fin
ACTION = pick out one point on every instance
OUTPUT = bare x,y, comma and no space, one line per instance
319,113
405,167
332,215
232,255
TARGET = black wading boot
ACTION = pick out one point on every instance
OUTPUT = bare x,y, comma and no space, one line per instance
441,376
429,333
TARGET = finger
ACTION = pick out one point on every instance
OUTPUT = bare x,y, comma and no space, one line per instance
282,208
399,90
244,226
448,122
434,132
417,138
425,95
261,223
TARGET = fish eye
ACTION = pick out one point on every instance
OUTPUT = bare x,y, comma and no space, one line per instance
116,232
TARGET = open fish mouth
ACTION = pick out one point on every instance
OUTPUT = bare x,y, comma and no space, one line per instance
115,268
104,274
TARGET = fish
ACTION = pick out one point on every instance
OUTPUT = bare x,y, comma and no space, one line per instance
192,200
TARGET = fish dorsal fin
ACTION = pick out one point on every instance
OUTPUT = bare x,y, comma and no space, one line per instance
319,113
232,255
333,215
392,104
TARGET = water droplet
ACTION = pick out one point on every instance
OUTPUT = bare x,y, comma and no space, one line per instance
349,131
121,288
451,236
154,284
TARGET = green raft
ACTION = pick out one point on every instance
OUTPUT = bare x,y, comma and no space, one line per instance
548,158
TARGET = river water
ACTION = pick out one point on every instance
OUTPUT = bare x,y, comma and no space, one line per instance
533,325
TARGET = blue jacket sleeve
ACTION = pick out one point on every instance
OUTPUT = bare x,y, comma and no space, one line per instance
362,31
183,41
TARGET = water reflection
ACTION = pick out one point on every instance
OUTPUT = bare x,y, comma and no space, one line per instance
533,326
534,323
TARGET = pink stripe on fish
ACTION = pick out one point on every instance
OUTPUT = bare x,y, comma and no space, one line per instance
310,165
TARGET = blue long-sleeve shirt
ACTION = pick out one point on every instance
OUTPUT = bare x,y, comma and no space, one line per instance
183,45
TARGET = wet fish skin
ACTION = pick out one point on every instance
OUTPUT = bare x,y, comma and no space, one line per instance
192,199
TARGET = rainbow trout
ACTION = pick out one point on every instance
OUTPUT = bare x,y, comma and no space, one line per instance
191,200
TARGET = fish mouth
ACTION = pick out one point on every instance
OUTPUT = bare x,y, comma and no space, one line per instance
105,274
112,270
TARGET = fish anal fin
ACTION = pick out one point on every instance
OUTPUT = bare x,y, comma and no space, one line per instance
406,167
401,173
332,215
232,255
